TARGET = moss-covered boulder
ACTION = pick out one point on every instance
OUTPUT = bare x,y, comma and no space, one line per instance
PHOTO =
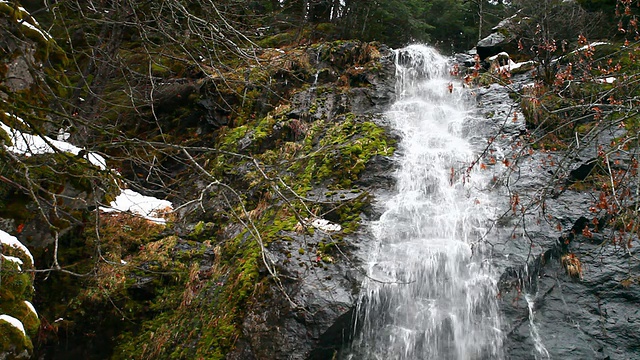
19,321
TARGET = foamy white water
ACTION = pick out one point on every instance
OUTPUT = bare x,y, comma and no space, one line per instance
431,292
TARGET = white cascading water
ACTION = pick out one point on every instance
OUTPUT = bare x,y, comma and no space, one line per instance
431,292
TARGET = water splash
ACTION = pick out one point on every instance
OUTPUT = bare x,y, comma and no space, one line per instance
431,291
542,352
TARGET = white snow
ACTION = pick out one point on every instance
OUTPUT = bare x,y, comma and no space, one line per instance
42,33
14,260
128,200
502,54
325,225
15,243
30,306
63,135
14,322
593,44
146,206
513,66
608,80
27,144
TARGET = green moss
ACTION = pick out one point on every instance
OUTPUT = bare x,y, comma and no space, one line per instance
4,137
13,341
195,308
17,287
228,138
278,40
205,312
352,144
198,228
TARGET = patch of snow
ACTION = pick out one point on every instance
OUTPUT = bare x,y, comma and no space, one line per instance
27,12
63,135
30,306
27,144
13,322
502,54
325,225
14,260
42,33
513,66
148,207
505,22
15,243
593,44
608,80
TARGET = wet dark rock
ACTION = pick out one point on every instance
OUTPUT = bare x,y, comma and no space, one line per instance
369,92
505,117
18,75
581,172
597,312
308,312
214,115
502,38
379,174
313,324
467,60
592,316
143,288
491,45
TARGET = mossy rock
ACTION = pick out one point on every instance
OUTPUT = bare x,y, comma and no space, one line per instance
22,311
278,40
15,290
4,137
14,344
16,285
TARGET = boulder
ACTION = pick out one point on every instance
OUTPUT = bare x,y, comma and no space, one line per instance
503,38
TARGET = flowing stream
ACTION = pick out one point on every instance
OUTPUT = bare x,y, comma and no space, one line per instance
431,292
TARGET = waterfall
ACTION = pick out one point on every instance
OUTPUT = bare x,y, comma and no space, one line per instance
533,330
430,291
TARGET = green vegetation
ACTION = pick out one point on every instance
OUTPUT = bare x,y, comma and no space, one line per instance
195,103
13,341
17,288
153,292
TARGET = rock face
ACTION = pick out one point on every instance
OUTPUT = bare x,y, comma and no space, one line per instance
502,38
211,287
596,310
555,285
563,294
315,320
309,314
491,45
